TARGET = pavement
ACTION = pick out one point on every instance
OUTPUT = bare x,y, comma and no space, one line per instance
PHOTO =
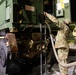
54,70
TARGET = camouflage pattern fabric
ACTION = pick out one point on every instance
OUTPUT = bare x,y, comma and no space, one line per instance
63,54
61,43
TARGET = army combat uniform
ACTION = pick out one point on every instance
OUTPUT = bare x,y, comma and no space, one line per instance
61,43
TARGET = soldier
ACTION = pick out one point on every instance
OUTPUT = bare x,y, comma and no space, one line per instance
61,43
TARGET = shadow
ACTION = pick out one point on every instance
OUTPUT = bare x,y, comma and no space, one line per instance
74,73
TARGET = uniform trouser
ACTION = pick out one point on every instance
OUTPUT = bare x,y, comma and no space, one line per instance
63,55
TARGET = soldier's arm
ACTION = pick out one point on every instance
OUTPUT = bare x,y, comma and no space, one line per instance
54,20
50,17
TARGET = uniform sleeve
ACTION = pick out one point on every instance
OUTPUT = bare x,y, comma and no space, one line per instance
54,20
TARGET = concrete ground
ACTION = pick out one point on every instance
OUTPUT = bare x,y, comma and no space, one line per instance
54,70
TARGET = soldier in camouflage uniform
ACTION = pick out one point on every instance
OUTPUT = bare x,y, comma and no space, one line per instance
61,43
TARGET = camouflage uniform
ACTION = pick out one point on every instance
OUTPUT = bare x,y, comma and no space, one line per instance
61,43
